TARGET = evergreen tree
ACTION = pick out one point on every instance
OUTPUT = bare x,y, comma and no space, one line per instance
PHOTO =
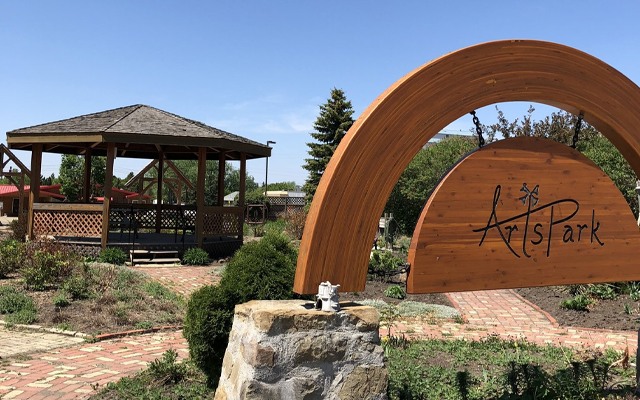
332,124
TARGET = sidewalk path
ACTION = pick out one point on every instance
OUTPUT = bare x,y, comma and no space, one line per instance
183,279
508,315
15,342
74,372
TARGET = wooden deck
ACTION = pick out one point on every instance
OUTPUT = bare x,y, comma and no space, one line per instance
219,247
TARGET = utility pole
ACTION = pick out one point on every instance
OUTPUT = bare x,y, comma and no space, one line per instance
266,174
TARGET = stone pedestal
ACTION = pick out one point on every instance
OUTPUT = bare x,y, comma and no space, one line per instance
287,350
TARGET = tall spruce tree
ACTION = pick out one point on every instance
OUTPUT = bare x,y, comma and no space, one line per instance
332,124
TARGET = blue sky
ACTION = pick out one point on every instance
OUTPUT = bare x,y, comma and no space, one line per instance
260,69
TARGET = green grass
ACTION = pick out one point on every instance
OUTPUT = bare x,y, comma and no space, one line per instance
500,369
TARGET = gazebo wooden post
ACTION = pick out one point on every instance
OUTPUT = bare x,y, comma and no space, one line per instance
243,189
160,188
87,175
36,169
108,182
221,172
21,198
202,170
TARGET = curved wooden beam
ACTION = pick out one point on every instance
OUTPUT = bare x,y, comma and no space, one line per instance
367,164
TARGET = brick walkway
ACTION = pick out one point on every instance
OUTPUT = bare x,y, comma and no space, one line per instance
72,372
184,280
508,315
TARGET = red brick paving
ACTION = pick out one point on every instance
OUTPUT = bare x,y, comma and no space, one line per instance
183,279
506,314
74,372
69,373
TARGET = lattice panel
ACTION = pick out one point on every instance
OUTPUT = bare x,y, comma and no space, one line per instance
146,218
67,223
189,217
117,217
170,218
287,201
221,224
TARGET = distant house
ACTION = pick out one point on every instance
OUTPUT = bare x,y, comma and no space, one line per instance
10,197
230,199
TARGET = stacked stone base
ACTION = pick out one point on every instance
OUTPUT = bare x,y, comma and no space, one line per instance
287,350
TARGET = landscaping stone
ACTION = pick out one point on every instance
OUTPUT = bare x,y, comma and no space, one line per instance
289,350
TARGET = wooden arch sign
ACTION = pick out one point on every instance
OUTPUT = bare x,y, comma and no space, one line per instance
523,212
381,143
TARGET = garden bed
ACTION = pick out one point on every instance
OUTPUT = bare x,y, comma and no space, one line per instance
601,314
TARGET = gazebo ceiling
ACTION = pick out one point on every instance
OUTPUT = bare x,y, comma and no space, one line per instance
138,131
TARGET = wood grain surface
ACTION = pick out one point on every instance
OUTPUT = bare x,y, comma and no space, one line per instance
523,212
381,143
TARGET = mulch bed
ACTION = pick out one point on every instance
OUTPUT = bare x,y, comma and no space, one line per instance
374,289
603,314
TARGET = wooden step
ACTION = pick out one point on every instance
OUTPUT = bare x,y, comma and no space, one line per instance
165,261
153,254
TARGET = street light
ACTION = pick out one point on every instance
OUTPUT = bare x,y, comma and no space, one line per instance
266,173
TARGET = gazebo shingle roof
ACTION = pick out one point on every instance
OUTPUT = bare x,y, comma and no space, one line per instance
138,130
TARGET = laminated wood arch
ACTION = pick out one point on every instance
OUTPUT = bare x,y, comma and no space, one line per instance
367,164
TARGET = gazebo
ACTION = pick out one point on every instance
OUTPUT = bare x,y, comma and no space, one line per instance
138,131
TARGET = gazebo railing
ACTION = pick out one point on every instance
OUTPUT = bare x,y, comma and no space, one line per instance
67,220
217,221
223,221
143,216
85,220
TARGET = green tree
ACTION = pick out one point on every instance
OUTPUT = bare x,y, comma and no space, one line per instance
332,124
71,176
421,176
560,126
189,168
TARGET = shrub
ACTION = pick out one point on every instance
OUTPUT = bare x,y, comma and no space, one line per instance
18,307
604,291
61,300
579,302
113,255
207,324
78,286
18,229
26,316
11,256
12,300
261,270
167,370
46,265
195,256
276,227
383,263
295,223
395,292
